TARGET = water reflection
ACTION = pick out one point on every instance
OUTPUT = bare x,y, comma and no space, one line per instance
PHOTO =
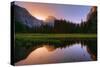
55,51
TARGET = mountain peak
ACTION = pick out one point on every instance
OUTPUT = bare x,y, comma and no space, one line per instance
50,19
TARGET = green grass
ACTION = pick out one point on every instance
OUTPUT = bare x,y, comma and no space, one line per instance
45,36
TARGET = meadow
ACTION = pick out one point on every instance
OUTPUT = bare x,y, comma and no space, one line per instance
30,35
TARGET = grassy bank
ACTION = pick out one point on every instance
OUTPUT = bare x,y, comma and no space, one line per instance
36,36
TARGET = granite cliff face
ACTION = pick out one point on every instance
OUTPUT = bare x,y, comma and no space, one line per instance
91,23
24,17
92,15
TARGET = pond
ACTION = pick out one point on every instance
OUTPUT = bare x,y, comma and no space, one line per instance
55,51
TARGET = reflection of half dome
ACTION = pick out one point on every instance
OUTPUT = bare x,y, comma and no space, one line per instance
50,48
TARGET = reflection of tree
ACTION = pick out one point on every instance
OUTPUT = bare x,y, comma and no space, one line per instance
24,48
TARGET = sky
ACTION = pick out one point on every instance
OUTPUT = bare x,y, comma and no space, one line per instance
73,13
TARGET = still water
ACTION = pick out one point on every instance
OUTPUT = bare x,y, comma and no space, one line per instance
80,50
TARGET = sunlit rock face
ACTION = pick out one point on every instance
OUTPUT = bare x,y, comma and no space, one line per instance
92,14
94,9
23,16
